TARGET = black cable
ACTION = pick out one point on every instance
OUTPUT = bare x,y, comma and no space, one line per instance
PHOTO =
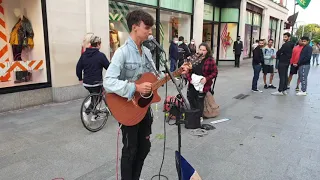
164,142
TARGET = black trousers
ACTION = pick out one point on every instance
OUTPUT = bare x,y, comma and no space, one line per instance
136,146
283,75
196,99
21,76
237,60
94,100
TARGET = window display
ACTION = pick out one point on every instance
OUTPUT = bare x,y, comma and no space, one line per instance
119,31
174,25
227,37
252,31
22,54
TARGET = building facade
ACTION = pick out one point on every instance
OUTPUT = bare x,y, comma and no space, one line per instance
40,40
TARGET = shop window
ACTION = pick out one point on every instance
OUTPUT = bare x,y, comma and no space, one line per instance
227,37
216,14
208,12
229,15
148,2
179,5
247,38
22,54
174,25
119,31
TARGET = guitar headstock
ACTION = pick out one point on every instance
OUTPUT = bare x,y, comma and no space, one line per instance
194,59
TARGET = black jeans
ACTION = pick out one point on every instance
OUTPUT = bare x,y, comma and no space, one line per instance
136,146
283,75
237,60
94,100
196,99
256,74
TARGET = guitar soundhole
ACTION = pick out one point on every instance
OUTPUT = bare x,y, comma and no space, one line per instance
142,102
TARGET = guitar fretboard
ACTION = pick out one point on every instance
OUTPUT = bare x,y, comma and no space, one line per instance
164,80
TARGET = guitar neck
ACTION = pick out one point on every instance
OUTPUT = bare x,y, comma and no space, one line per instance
164,80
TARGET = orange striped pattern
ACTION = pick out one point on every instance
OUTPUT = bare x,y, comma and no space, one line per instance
4,49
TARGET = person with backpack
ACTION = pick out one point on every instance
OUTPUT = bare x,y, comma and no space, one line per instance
269,54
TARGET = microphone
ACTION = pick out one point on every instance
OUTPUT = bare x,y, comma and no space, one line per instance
150,38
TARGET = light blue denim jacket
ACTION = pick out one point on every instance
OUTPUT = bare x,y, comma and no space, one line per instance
127,65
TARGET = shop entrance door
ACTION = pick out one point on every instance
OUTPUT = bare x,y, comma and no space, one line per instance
210,36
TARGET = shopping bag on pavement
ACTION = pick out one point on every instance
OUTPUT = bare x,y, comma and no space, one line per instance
211,108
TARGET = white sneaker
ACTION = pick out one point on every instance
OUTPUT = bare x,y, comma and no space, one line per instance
201,119
258,90
301,93
85,117
87,104
277,93
285,92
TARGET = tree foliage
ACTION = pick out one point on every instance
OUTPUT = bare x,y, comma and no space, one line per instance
310,30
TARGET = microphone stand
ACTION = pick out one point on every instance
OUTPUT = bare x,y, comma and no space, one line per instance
178,117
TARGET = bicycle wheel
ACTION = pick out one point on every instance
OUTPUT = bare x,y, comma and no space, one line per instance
94,112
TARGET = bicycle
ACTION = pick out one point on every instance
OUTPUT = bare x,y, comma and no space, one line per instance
94,115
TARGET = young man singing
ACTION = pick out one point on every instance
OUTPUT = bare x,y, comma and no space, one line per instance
268,68
129,62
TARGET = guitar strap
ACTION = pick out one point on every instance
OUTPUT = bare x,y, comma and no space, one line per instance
153,68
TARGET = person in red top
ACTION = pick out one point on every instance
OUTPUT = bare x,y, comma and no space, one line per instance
294,63
207,69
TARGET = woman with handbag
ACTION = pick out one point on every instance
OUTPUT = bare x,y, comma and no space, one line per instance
200,78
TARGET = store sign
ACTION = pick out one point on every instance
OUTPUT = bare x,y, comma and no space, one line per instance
304,3
208,12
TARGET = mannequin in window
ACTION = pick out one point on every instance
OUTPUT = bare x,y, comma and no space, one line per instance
21,38
114,39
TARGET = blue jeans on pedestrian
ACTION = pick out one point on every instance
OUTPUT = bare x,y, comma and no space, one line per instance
256,73
303,76
173,64
315,58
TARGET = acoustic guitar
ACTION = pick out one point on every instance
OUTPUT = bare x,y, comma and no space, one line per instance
130,113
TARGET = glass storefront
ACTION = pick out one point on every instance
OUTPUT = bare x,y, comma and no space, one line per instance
211,27
273,27
22,54
252,31
228,32
119,31
173,25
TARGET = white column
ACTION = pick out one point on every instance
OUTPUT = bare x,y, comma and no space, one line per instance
198,21
265,24
243,10
99,12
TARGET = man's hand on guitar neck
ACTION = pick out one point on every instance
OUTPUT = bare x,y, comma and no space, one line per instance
186,67
144,88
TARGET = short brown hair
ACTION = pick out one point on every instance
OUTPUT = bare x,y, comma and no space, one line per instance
136,16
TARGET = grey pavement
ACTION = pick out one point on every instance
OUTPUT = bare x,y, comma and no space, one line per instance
283,143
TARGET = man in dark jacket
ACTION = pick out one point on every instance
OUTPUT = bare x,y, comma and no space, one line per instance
257,61
91,63
184,51
237,50
173,54
304,65
284,55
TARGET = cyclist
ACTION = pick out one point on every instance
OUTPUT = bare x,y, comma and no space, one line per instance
91,63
